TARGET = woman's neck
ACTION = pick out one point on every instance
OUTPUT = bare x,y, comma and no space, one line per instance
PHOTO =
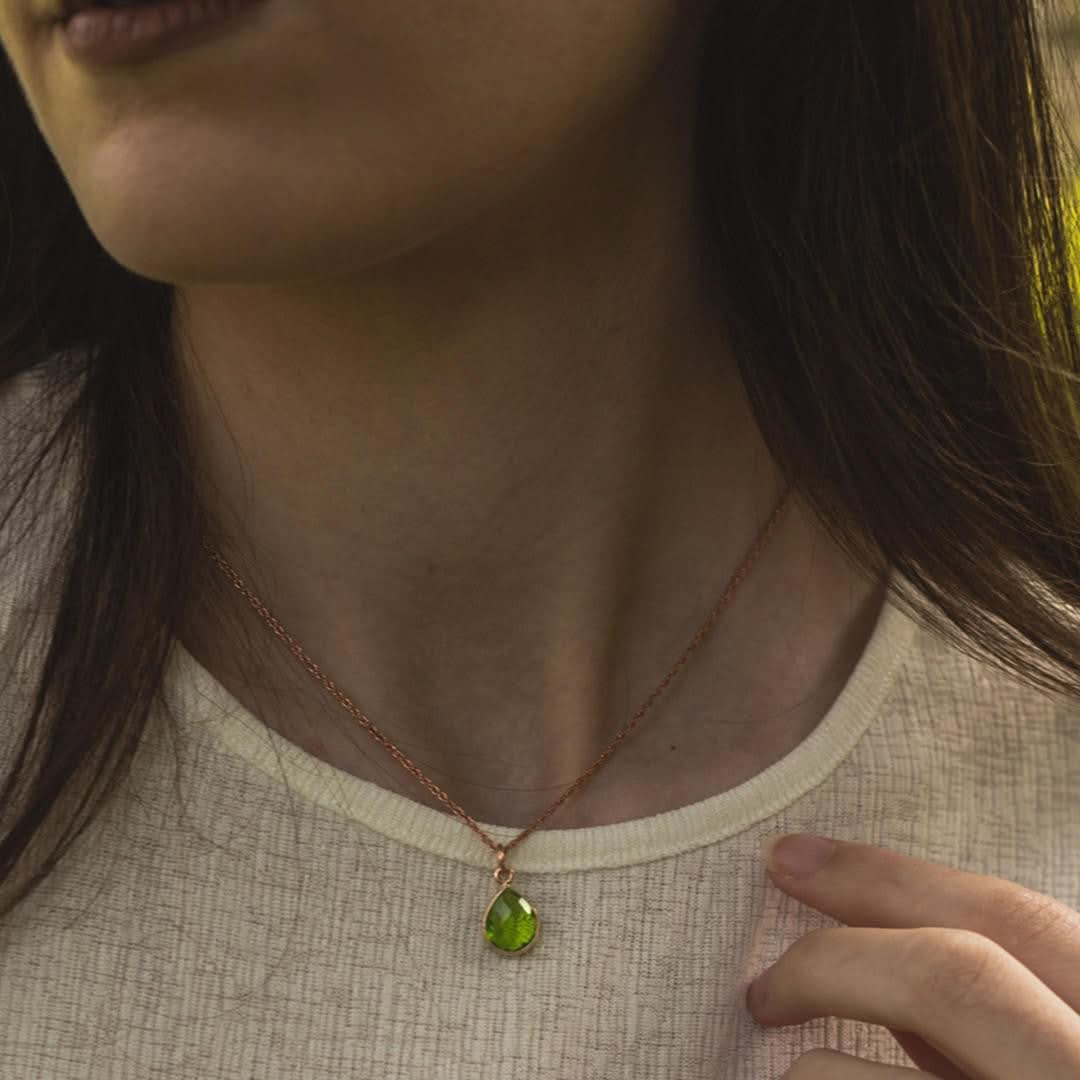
493,486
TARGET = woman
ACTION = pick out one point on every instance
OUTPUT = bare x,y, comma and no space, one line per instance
539,453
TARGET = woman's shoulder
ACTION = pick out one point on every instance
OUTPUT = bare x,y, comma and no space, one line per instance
35,506
36,479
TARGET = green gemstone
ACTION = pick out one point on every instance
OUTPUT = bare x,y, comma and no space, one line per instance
510,923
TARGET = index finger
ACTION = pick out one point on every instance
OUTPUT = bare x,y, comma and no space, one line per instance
867,886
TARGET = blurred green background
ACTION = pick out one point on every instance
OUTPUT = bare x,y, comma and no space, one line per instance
1060,28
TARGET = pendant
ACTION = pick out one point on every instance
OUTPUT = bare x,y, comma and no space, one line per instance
510,923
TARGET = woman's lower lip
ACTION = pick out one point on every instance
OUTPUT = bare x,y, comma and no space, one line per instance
102,35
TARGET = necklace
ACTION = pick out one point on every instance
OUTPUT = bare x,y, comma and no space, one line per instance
510,923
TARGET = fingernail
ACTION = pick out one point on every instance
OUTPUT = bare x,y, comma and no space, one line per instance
799,854
755,994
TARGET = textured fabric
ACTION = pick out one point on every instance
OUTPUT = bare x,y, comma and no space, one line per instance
260,915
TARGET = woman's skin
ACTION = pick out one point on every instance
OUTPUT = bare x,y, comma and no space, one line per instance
459,385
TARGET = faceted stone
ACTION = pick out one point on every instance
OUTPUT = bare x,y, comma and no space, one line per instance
510,923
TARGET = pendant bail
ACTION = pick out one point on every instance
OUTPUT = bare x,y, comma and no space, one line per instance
502,868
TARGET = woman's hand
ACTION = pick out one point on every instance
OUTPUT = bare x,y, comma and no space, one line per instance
977,978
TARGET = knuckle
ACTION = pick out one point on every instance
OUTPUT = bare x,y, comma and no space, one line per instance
952,969
1032,917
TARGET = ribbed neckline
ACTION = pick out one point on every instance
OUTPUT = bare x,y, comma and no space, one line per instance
195,694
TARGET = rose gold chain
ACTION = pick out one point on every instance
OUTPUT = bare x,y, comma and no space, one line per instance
500,849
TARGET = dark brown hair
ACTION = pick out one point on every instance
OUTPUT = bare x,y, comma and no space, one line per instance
886,199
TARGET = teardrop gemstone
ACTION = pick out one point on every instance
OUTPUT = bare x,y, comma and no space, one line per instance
510,923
